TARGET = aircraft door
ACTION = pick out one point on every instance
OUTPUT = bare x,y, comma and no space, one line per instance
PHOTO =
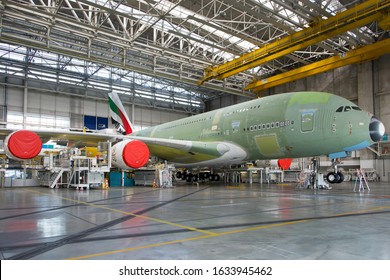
307,121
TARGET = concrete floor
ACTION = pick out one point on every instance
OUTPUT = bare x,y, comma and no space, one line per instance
276,222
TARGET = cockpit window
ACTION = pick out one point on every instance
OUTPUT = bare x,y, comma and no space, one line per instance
347,109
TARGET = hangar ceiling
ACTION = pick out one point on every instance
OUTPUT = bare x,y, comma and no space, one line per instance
173,42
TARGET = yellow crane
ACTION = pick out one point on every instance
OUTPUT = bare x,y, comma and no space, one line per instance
361,54
359,15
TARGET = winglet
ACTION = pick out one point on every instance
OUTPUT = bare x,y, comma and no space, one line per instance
118,114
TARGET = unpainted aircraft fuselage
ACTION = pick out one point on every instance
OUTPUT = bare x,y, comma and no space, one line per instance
292,125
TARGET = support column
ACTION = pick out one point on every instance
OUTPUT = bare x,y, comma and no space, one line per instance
132,113
365,86
366,96
25,100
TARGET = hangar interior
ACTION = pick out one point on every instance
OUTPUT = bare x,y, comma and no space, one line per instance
172,59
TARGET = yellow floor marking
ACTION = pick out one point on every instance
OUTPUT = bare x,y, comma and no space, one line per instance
363,211
283,184
209,234
182,240
133,214
215,235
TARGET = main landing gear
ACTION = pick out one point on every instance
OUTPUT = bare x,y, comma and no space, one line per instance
190,177
335,177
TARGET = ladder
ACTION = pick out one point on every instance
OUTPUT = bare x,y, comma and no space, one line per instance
362,179
53,184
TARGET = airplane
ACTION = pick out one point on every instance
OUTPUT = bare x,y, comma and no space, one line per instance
289,125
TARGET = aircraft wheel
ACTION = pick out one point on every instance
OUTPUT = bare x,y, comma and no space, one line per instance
216,177
194,178
178,174
189,177
341,175
183,176
332,177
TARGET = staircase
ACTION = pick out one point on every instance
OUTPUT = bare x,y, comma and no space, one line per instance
54,179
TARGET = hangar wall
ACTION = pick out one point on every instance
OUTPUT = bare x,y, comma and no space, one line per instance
47,109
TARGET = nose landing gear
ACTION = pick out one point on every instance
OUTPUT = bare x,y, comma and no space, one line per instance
335,177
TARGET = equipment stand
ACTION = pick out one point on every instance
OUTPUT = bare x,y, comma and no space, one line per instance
362,180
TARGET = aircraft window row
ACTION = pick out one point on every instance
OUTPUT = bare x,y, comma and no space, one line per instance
186,123
347,108
241,110
271,125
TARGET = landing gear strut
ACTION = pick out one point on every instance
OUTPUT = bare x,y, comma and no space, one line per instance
317,178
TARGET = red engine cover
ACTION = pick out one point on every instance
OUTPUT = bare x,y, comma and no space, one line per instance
285,163
130,154
135,154
23,144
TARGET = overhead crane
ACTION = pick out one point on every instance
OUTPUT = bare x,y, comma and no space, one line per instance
360,15
361,54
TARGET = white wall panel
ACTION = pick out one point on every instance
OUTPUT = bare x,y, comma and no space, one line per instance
102,109
48,104
176,116
62,104
15,99
146,116
33,101
76,106
90,107
156,117
165,116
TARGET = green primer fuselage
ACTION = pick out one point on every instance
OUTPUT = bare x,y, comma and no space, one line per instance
290,125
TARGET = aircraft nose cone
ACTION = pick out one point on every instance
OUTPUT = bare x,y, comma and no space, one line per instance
377,129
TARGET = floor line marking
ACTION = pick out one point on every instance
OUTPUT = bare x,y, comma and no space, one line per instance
182,240
133,214
215,235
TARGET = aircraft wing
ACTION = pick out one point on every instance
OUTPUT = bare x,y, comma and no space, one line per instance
75,138
184,152
192,153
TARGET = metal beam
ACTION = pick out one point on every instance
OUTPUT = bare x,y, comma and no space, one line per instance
366,53
358,16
